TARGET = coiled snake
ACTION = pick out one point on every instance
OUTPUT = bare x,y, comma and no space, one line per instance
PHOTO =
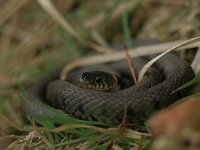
137,101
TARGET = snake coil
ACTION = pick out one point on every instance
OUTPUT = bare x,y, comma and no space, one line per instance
154,91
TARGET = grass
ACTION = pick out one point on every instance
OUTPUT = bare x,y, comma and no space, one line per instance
32,44
77,134
194,81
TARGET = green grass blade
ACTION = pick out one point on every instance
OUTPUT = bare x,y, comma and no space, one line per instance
190,83
67,119
126,29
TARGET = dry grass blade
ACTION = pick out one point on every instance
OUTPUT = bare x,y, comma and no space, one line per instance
196,62
29,138
12,124
110,131
8,34
98,38
188,42
53,12
23,54
100,48
116,147
34,140
126,6
99,18
115,56
10,8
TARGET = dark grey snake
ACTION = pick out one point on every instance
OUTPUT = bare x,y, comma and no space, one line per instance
137,101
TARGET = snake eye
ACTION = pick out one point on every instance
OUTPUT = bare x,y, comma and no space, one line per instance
98,79
84,76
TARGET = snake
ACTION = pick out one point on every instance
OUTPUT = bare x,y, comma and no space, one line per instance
118,97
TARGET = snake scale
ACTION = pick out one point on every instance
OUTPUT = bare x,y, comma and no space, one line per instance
153,92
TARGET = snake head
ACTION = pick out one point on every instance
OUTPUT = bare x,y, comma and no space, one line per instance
98,80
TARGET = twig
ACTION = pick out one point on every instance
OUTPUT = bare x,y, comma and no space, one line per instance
123,122
132,68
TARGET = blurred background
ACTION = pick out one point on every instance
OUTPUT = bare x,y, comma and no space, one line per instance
33,39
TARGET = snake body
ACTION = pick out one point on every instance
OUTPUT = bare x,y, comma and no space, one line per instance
154,91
